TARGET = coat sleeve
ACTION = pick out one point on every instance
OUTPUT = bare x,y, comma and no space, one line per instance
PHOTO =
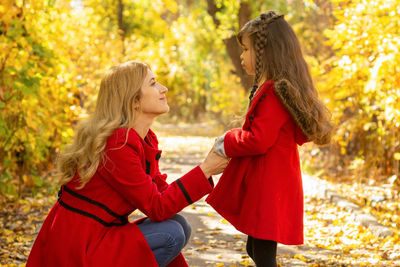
125,174
268,118
160,180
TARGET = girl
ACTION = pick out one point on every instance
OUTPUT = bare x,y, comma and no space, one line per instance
263,179
110,170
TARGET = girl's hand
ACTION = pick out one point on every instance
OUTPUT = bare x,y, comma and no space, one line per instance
213,164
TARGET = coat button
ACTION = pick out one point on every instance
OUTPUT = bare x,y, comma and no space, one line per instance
158,156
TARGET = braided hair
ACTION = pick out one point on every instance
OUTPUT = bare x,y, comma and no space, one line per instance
260,32
278,57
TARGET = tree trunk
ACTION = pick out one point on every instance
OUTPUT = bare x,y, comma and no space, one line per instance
232,47
121,25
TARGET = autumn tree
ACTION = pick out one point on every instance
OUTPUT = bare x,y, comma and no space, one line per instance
363,82
54,53
36,95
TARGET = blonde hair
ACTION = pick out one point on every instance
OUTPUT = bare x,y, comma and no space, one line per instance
119,90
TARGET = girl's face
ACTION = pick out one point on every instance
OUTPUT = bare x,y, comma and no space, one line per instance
247,56
153,101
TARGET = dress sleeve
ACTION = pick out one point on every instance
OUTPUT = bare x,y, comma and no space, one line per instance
265,123
125,175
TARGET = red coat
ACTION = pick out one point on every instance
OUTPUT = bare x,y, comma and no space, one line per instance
89,227
260,191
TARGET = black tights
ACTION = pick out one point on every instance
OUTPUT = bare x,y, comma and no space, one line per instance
263,252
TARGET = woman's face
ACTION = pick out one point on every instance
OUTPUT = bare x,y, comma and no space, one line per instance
247,56
153,100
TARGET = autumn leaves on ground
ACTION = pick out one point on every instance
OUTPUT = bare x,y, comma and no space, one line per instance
335,232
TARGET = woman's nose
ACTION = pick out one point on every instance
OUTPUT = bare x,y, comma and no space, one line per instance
163,89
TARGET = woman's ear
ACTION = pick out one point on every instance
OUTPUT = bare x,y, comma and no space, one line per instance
136,104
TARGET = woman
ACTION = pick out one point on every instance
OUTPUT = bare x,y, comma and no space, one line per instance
110,170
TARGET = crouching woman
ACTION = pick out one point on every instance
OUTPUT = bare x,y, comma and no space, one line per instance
109,171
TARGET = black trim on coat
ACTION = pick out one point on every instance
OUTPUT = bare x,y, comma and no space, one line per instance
185,193
148,167
87,214
123,218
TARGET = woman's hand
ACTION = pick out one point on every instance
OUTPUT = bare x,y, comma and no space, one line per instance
213,164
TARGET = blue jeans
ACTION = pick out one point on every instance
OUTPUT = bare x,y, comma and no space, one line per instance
167,238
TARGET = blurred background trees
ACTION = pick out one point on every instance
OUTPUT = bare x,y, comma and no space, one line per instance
54,52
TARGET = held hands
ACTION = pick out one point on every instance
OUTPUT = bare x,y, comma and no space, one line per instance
213,164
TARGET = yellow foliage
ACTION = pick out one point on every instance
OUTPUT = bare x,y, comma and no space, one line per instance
53,57
361,81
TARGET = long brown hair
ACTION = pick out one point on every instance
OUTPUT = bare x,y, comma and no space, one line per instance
115,108
278,57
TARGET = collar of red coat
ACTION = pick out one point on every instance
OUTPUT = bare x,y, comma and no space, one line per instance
132,138
268,87
264,89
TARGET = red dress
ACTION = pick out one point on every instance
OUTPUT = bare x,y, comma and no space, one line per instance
89,227
260,191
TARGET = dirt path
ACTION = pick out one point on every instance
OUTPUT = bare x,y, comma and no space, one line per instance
335,233
334,236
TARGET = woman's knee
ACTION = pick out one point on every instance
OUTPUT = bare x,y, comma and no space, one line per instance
165,234
166,239
177,234
187,229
